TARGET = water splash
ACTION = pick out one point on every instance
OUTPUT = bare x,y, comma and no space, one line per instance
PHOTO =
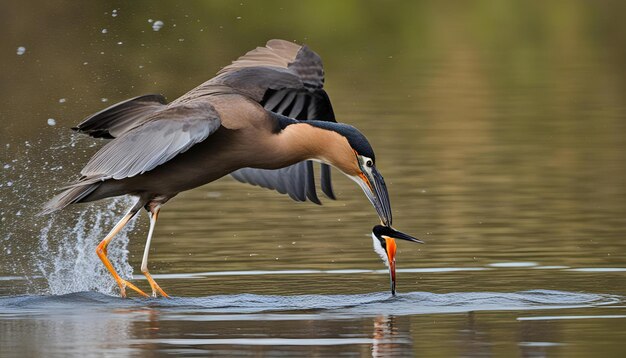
54,254
66,255
157,25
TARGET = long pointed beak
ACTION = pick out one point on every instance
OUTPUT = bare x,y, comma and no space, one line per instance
393,233
384,211
391,255
376,191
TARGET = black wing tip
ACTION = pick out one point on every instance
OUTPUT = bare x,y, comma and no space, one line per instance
94,133
309,184
327,184
92,119
154,97
329,193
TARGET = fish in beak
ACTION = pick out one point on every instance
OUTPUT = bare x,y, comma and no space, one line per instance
384,238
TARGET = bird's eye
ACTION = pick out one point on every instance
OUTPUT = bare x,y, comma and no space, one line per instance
369,163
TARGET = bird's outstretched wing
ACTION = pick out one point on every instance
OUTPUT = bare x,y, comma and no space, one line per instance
121,117
284,77
161,137
287,79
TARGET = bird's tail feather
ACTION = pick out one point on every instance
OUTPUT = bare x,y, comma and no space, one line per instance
71,195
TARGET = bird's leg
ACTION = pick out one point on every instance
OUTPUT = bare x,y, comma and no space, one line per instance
154,214
101,250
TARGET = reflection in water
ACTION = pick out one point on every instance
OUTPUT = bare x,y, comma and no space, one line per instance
69,334
537,338
92,323
148,329
473,340
392,337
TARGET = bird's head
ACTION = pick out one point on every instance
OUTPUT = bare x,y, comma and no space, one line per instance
385,246
356,159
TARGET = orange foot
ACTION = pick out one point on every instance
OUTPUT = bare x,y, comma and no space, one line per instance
155,286
123,284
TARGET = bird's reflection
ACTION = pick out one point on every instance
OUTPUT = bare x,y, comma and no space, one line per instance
473,340
392,337
538,337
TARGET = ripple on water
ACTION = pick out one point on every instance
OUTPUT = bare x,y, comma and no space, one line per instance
513,264
338,305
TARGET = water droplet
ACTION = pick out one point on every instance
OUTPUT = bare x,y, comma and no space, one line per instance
21,50
104,99
62,100
104,31
51,122
157,25
114,13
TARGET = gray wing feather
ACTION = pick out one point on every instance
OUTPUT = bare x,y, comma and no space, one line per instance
278,65
167,134
297,106
253,82
286,102
121,117
287,79
275,100
296,180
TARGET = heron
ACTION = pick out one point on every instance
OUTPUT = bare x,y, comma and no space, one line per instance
264,119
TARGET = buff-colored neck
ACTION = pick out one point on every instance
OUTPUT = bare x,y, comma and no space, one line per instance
302,141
